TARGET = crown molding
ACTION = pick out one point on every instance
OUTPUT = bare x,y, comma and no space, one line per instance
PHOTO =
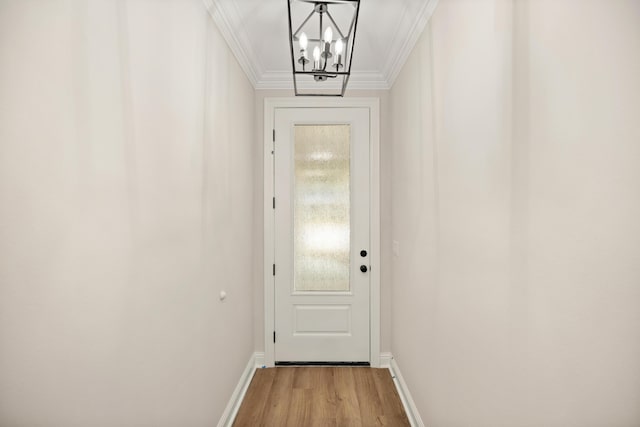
220,16
358,80
404,47
275,80
226,17
362,80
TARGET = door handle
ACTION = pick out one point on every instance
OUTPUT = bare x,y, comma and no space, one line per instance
363,268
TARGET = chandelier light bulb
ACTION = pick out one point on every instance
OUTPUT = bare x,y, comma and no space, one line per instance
337,61
303,41
328,35
316,58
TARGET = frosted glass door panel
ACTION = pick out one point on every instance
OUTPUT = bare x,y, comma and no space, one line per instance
321,207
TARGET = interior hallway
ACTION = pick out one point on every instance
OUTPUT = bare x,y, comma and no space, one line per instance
131,181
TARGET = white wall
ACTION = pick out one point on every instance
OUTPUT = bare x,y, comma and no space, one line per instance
126,205
385,212
515,202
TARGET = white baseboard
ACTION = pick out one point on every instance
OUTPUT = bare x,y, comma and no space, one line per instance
385,360
260,359
230,412
405,396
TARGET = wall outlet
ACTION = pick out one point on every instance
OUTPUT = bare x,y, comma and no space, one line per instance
395,248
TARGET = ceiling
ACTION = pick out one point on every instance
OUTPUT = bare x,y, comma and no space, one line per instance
257,32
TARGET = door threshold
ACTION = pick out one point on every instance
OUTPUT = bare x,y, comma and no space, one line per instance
322,364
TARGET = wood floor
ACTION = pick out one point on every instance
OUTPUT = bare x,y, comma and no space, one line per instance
321,397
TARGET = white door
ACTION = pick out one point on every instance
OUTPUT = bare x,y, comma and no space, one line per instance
321,184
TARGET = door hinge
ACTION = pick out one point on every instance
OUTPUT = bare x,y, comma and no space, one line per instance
274,203
274,135
274,336
274,269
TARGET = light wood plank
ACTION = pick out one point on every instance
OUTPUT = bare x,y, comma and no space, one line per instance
392,410
347,408
368,399
322,397
300,409
279,398
252,409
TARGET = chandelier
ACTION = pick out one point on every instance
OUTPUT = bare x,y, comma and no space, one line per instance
322,45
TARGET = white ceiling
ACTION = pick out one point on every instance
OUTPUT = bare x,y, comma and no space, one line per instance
257,32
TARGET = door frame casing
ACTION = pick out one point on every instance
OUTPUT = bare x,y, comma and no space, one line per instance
270,106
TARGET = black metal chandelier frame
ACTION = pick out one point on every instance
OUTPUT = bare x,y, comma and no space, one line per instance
319,68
